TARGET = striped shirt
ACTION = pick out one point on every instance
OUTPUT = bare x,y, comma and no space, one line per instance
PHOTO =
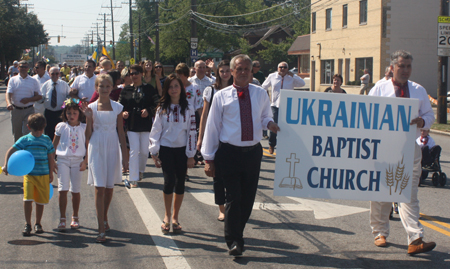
39,147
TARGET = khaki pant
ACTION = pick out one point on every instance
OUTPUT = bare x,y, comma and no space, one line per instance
19,120
409,212
364,89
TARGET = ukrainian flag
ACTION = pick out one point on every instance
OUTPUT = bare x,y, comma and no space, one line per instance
94,56
104,52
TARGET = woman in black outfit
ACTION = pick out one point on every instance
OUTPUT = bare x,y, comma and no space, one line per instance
139,102
337,82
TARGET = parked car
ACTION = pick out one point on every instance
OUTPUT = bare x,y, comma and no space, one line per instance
294,70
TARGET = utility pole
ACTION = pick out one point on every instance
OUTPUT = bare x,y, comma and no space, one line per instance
157,31
442,75
92,41
139,41
112,28
131,30
193,23
104,28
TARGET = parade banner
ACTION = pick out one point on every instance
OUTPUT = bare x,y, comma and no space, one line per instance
74,59
344,146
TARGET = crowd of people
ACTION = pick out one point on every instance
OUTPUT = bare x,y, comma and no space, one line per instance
108,121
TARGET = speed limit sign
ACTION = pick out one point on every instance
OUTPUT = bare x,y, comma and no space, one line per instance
443,36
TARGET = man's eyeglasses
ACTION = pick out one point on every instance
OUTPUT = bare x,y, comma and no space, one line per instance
36,67
134,73
55,74
282,67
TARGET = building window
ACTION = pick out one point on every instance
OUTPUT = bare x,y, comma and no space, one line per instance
328,19
344,16
361,64
313,23
327,71
363,12
303,67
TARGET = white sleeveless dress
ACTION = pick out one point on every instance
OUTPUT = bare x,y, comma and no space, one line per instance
104,155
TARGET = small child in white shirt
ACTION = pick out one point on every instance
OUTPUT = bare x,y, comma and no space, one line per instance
70,144
430,151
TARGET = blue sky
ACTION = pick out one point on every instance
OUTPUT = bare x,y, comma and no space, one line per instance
77,17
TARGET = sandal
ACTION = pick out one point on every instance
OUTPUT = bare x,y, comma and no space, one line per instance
176,227
101,238
107,228
62,224
75,223
165,227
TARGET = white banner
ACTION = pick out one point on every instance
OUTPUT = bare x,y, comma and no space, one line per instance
344,146
74,59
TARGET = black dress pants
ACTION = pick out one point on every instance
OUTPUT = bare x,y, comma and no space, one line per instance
239,169
53,118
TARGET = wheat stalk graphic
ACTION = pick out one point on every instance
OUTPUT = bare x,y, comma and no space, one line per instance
399,173
404,183
390,178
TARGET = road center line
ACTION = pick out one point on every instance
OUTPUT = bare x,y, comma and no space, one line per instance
167,248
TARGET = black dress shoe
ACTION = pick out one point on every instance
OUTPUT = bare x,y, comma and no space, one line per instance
235,250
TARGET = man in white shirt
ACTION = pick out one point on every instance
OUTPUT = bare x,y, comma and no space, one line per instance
41,76
400,86
282,79
200,77
231,146
54,92
365,82
84,85
22,92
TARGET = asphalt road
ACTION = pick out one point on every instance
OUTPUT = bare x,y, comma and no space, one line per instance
281,233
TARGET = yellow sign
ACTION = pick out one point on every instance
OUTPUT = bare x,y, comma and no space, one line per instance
443,19
132,61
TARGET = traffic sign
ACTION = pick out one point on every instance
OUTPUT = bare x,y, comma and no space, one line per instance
194,45
132,61
443,36
194,39
194,53
194,60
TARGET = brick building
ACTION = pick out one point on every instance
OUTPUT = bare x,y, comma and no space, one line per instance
348,36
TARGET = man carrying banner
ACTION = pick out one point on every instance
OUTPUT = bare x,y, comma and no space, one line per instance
400,86
231,146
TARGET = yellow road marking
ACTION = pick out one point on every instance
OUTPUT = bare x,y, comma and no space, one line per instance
266,153
435,220
429,225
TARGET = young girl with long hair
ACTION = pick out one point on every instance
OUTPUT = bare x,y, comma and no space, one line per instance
223,80
70,145
173,136
104,131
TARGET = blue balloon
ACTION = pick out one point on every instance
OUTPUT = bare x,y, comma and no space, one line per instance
51,192
20,163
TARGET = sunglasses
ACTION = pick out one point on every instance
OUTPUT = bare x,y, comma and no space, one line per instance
134,73
21,66
257,66
282,67
158,66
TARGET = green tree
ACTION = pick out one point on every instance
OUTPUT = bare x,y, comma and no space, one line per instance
19,30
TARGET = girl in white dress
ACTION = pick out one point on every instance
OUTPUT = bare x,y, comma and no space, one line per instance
173,136
104,131
70,145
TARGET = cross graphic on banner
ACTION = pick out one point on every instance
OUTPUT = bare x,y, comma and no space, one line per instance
291,181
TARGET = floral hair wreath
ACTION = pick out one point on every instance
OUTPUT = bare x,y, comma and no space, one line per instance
68,101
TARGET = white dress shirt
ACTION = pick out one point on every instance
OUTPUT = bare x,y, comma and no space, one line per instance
39,105
430,142
415,91
202,83
85,86
62,91
174,131
276,81
194,96
381,81
224,120
22,88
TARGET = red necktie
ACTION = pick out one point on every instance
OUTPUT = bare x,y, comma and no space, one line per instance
282,81
245,110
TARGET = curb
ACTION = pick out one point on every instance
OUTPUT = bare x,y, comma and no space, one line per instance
439,132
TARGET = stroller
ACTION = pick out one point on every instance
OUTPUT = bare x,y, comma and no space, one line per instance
439,177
